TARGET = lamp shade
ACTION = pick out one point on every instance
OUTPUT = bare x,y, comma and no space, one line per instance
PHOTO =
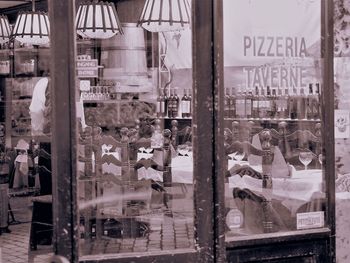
165,15
97,20
32,28
4,29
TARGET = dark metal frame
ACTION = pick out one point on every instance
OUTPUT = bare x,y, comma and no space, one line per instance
209,157
62,15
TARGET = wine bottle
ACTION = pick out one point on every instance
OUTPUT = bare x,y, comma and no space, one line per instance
176,103
301,104
262,104
317,109
170,103
292,104
255,103
248,104
233,103
227,104
309,103
285,105
240,106
279,104
189,98
159,107
268,102
184,105
273,103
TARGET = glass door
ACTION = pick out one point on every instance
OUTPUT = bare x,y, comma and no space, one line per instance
130,140
274,89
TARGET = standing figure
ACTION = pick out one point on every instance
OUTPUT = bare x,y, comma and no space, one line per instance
22,164
37,107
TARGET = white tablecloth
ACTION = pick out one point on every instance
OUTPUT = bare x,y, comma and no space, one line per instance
181,170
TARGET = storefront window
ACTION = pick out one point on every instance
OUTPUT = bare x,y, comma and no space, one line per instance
25,137
134,118
275,179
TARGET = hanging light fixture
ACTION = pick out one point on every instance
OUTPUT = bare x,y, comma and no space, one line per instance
165,15
32,27
4,29
97,20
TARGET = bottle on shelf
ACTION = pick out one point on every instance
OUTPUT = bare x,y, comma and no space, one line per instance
309,103
227,104
255,103
282,103
232,112
292,104
176,104
248,104
240,103
170,103
279,104
158,105
268,102
317,102
185,110
301,110
262,104
161,104
166,103
189,103
273,103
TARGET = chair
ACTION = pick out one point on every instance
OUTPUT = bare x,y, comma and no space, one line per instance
41,230
160,162
300,140
180,136
274,215
262,215
44,165
119,195
41,225
111,171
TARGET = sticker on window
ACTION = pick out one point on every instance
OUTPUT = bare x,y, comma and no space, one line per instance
310,220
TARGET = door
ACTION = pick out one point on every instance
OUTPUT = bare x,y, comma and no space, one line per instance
130,130
277,107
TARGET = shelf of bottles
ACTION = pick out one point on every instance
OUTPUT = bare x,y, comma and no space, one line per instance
170,105
265,103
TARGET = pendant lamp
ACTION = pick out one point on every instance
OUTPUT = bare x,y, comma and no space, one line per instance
165,15
32,27
97,20
4,29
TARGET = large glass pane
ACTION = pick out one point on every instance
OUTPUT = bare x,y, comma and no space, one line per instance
273,135
26,228
135,163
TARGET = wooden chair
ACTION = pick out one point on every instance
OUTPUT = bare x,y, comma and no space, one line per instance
301,140
41,230
182,136
161,161
262,215
129,197
274,215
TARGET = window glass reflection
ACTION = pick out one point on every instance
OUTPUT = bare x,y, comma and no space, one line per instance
273,134
135,165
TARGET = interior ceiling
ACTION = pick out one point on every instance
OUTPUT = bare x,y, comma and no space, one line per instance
7,4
